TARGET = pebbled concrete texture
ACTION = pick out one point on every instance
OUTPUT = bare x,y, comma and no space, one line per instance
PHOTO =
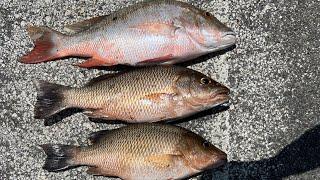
271,130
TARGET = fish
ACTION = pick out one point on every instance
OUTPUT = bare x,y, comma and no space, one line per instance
148,94
138,151
147,33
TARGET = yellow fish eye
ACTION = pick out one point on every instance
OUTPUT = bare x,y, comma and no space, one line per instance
205,81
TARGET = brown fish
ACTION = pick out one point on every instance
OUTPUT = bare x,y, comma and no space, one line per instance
140,151
142,95
152,32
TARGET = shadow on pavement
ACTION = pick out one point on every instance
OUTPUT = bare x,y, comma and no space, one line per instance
60,116
300,156
207,57
199,115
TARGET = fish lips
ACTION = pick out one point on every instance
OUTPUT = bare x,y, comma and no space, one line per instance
228,39
215,162
218,161
221,97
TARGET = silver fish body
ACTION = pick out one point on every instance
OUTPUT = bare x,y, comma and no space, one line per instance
152,32
147,94
137,152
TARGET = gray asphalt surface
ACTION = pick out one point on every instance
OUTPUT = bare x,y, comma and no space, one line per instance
271,130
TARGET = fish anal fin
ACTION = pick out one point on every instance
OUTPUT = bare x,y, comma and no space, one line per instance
92,62
96,171
96,136
83,25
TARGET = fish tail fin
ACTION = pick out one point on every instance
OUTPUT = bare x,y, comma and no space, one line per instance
45,45
50,99
59,157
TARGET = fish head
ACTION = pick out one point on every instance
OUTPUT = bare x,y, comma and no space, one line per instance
200,154
208,32
201,92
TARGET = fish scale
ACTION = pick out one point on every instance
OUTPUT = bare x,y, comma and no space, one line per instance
140,151
147,33
150,94
120,38
145,82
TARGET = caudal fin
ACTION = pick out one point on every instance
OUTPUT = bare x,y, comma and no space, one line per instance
59,157
50,99
45,48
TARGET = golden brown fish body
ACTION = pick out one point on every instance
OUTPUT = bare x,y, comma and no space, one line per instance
151,32
140,151
142,95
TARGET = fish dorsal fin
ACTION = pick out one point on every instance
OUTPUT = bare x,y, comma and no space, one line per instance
83,25
100,78
97,136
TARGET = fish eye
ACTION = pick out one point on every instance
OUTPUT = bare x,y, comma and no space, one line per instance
206,144
205,81
208,14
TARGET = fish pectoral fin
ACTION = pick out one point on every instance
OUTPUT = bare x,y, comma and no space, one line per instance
157,97
83,25
96,136
166,29
163,160
92,62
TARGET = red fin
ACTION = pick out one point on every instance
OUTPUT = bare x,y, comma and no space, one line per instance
44,46
157,60
93,63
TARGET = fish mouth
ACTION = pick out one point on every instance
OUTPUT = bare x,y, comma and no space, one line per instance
221,97
228,39
216,161
221,92
219,161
